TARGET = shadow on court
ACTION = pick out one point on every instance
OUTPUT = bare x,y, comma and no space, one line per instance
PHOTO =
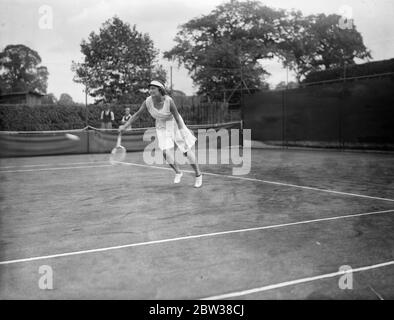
128,232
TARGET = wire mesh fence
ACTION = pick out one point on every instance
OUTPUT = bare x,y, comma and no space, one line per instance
344,114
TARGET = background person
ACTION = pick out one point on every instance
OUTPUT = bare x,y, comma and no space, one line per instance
126,118
107,117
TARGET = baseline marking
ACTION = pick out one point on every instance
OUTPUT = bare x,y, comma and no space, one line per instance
210,174
205,235
54,169
52,164
298,281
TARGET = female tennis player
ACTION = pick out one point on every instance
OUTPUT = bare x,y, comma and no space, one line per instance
170,129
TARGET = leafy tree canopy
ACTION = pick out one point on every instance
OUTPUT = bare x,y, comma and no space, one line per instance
222,50
20,70
119,62
317,42
65,99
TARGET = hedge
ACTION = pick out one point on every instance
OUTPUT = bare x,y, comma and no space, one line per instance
55,117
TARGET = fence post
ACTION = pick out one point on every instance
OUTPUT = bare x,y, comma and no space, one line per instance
339,126
340,134
283,119
284,126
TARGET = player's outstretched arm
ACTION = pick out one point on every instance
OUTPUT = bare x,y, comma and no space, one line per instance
134,117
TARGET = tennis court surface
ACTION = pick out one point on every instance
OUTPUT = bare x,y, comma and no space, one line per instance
127,232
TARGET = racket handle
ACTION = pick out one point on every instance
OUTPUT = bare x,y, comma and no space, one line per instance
118,141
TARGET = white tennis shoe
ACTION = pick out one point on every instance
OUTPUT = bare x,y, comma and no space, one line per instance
178,177
198,182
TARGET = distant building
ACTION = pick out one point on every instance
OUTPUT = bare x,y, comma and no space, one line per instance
31,98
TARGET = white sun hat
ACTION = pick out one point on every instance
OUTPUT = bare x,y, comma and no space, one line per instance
157,84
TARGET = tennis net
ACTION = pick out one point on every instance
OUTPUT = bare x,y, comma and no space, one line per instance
94,140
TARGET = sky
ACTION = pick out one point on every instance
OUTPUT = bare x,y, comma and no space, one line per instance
21,22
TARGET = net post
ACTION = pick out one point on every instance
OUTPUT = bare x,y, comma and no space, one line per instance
242,133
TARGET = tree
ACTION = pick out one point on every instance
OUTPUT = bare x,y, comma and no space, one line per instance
222,50
282,85
49,99
20,70
297,44
316,42
337,46
178,93
119,62
65,99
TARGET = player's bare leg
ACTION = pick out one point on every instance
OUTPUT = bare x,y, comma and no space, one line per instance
194,164
171,162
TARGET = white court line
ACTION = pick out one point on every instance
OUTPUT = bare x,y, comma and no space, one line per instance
267,182
58,168
205,235
216,175
294,282
376,293
52,164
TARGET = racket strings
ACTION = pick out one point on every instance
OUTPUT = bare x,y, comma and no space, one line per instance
118,154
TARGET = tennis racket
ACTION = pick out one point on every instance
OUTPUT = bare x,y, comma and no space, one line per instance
118,154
